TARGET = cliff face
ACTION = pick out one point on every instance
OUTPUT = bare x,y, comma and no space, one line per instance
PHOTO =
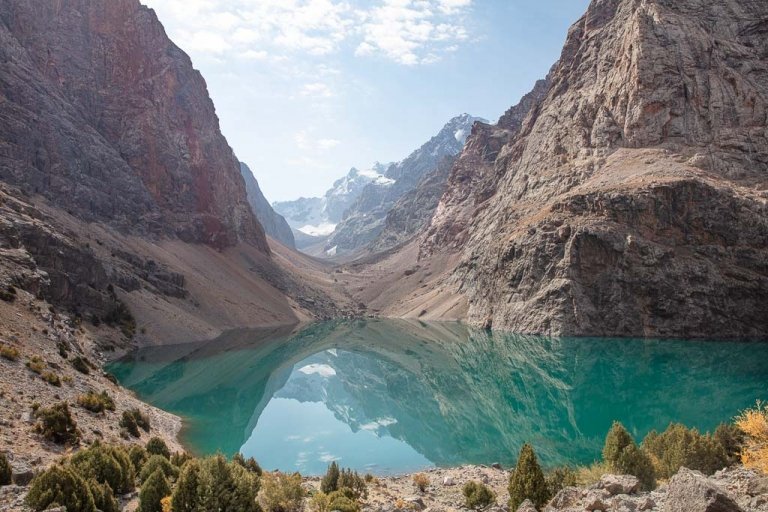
104,116
273,223
633,197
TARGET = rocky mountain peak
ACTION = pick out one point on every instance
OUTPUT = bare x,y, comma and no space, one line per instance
106,117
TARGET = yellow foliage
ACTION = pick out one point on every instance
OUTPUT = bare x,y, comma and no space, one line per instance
754,423
421,481
589,475
166,504
319,502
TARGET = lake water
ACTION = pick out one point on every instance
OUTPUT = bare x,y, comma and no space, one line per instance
389,396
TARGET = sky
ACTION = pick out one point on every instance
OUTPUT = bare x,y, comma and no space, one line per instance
307,89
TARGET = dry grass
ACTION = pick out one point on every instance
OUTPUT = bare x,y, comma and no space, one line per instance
588,475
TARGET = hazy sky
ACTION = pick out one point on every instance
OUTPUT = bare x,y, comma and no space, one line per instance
306,89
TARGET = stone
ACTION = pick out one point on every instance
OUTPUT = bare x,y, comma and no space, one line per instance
448,481
646,503
527,506
757,486
496,465
691,491
21,474
416,502
619,484
595,501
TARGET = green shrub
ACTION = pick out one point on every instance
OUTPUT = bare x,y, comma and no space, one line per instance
106,465
559,478
250,464
134,419
679,446
96,402
103,497
8,294
215,484
178,459
120,316
6,473
319,502
60,486
52,378
731,438
477,495
9,353
615,441
354,482
330,481
281,492
156,446
527,480
337,500
138,456
154,463
154,489
57,425
81,364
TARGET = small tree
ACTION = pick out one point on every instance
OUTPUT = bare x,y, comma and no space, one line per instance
156,446
153,490
330,481
154,463
754,423
477,495
103,497
250,464
731,438
6,474
61,486
185,493
527,480
354,482
138,456
679,446
622,456
106,465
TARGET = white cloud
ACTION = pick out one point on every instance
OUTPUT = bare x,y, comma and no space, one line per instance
408,32
305,142
316,90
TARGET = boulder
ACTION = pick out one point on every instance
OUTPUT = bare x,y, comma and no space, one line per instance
619,484
416,503
526,506
448,481
691,491
22,474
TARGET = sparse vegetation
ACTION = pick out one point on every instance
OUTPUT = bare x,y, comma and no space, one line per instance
96,402
559,478
81,364
132,420
281,492
250,464
421,481
9,353
477,495
753,423
354,483
52,379
8,294
57,425
120,316
527,480
36,364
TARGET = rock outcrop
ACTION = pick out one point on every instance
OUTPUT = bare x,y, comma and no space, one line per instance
273,223
105,117
631,198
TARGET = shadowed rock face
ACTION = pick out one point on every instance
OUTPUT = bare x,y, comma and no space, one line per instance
273,223
105,117
630,199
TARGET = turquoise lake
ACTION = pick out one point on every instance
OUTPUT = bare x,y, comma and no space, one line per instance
390,396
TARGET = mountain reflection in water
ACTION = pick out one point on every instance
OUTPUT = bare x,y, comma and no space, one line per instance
395,395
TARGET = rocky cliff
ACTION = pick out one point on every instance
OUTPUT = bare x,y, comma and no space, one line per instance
104,116
273,223
630,196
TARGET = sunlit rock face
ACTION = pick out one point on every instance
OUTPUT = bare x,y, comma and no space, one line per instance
628,196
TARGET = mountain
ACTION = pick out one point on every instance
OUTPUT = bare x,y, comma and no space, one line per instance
120,197
365,218
629,197
273,223
318,216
